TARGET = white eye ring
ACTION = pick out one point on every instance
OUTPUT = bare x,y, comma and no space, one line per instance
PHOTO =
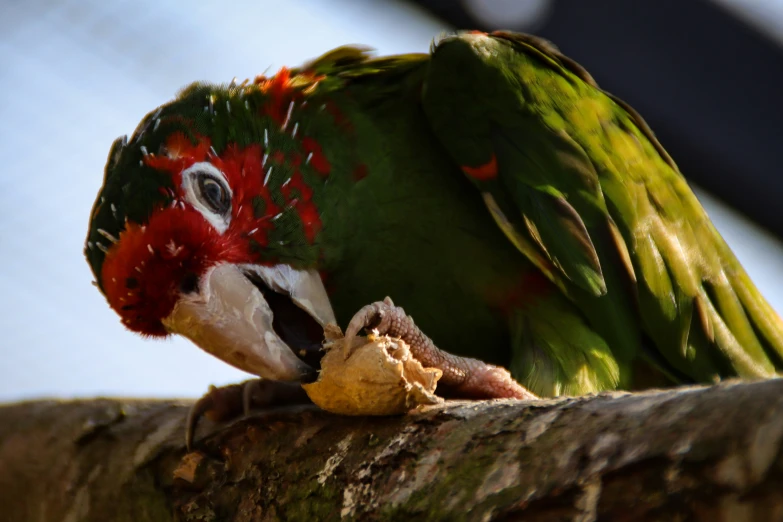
216,208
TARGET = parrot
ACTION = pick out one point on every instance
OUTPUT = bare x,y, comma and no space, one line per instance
530,223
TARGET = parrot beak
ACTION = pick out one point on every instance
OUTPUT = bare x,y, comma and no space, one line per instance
265,320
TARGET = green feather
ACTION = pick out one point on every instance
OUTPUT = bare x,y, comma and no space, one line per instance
604,202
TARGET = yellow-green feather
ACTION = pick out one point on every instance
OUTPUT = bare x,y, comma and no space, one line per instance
560,139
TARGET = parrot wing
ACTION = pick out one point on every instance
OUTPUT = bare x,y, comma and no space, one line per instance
579,184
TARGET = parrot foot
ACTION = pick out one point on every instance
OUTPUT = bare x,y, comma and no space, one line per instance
463,377
236,400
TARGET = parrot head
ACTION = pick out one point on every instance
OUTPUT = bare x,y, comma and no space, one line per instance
207,226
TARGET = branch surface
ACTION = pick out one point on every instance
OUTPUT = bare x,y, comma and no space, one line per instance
699,453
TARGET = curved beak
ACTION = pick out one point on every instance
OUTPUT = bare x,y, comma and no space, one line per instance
230,318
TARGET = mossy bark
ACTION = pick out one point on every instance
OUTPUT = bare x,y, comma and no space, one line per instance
703,453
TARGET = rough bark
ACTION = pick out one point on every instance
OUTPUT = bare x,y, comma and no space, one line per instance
685,454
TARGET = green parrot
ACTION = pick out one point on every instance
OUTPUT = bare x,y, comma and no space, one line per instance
522,216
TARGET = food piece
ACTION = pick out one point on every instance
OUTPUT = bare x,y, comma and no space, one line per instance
380,378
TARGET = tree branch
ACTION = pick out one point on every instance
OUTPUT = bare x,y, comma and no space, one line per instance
690,453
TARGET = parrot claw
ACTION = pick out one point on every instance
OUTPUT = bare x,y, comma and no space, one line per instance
198,410
237,400
375,316
463,377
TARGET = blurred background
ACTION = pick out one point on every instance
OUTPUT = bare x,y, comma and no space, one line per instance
76,74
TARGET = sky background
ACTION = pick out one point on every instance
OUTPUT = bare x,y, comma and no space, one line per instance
77,74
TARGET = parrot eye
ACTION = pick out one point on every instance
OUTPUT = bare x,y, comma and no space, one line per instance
207,190
213,193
